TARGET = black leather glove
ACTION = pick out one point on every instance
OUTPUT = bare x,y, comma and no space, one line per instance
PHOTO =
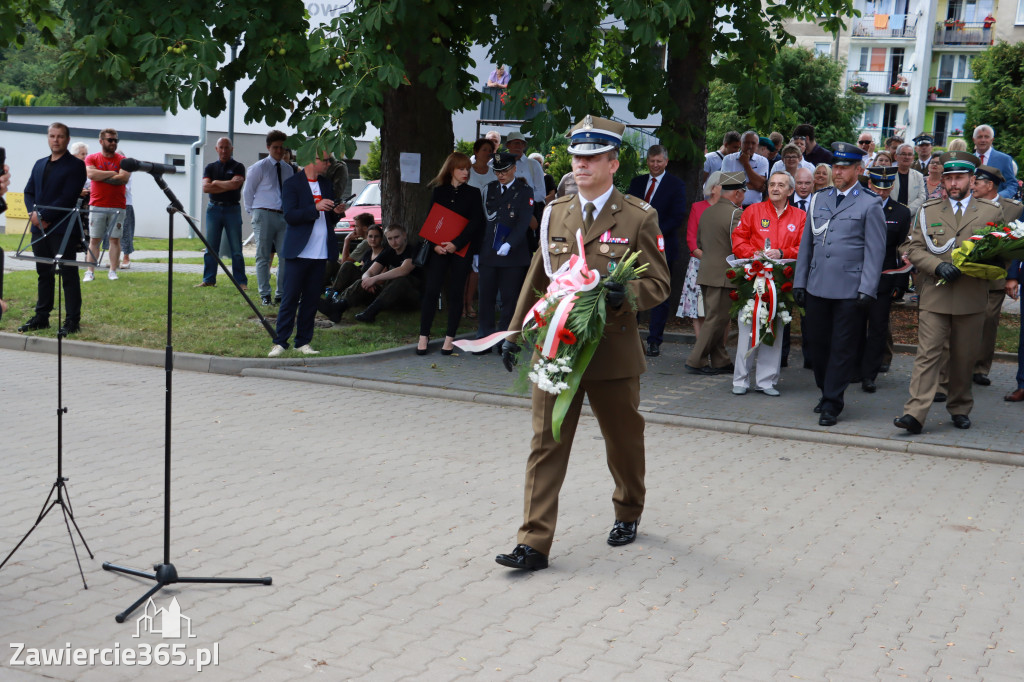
800,297
864,301
616,293
509,354
947,271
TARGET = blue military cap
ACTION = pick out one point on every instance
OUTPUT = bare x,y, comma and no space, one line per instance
503,161
924,138
846,154
882,176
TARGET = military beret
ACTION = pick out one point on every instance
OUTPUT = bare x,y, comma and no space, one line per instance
766,142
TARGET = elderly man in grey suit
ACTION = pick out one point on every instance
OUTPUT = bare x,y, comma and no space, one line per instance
837,272
909,189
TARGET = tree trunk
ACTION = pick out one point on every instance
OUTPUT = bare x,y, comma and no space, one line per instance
414,122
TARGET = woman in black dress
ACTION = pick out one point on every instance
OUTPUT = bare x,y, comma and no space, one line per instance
452,192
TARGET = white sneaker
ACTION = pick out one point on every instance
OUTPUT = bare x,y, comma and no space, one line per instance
275,351
89,276
771,390
111,275
739,390
307,350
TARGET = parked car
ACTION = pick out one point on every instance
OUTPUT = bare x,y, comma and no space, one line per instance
367,201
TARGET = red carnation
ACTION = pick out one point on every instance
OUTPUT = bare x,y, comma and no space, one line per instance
566,336
786,286
538,319
734,295
730,274
788,271
1007,229
991,224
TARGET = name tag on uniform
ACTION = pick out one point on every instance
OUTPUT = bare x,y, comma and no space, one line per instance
558,239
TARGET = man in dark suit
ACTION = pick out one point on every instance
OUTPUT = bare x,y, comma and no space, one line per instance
307,201
837,272
897,225
56,181
988,156
667,195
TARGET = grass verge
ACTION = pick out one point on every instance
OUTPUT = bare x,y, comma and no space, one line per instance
213,321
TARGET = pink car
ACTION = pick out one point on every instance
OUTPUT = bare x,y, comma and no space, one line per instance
368,201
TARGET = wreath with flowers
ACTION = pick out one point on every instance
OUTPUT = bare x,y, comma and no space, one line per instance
763,296
994,242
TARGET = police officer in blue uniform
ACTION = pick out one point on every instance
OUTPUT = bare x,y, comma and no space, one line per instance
837,275
897,225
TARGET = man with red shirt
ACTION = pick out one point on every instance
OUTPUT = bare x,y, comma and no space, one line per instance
771,229
107,205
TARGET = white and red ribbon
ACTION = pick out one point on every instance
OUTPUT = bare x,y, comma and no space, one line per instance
764,292
572,278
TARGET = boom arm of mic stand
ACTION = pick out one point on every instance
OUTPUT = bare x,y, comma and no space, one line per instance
177,207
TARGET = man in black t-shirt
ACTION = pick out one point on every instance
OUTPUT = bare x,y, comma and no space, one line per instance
223,180
392,281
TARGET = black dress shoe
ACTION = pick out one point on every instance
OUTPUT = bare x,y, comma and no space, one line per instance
817,408
653,349
277,300
367,315
909,423
524,557
69,327
623,533
265,300
35,322
961,421
982,380
940,397
827,418
332,308
705,370
868,386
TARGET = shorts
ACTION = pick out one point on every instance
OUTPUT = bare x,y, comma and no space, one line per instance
106,222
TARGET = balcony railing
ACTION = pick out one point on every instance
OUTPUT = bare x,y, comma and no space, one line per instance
879,82
493,109
963,33
950,89
885,26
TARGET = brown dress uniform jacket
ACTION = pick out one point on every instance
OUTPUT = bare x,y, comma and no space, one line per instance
714,238
620,353
935,224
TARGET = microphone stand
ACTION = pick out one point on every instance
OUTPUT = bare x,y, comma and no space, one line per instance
165,573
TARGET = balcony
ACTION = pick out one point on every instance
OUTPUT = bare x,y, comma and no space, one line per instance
890,26
960,34
950,90
874,83
492,108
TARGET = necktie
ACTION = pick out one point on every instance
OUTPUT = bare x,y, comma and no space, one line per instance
650,190
839,199
983,158
959,213
803,204
588,215
278,166
503,189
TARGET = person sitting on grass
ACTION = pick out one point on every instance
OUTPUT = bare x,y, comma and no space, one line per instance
354,241
351,271
392,281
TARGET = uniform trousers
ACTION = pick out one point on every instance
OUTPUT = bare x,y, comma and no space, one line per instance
506,281
712,332
268,227
834,329
302,281
768,359
933,332
987,347
615,404
47,247
455,269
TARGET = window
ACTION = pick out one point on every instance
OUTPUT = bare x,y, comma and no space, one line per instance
1020,13
176,160
825,49
872,116
873,58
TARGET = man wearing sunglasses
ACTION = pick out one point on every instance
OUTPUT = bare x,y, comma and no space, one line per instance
107,201
867,143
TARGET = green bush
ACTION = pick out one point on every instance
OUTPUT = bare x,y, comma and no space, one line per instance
370,170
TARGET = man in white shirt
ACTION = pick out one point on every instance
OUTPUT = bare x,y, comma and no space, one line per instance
262,196
713,160
867,142
752,164
526,168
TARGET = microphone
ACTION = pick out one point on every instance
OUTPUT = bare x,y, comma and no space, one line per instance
132,165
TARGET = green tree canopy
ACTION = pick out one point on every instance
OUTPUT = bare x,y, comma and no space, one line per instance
998,97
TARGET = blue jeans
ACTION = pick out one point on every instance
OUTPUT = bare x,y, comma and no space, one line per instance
269,228
221,219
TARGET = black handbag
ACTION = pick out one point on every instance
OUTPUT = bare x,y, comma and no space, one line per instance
420,259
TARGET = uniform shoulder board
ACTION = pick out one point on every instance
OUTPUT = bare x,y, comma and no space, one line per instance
933,202
518,181
988,201
868,190
562,200
1015,202
636,201
824,189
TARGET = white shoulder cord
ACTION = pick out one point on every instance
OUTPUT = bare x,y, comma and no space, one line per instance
937,250
545,252
815,230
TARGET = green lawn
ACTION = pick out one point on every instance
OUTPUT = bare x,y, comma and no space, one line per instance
217,321
9,242
189,261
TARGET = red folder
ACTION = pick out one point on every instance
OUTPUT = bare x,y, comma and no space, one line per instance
444,225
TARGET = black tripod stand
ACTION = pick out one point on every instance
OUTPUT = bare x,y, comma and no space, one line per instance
165,573
62,498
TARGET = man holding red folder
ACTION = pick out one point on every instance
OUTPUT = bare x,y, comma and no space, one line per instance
504,253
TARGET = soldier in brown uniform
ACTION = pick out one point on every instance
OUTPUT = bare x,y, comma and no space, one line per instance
987,181
954,312
714,239
611,222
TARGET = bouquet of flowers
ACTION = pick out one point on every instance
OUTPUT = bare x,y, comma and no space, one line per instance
565,327
763,295
995,241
